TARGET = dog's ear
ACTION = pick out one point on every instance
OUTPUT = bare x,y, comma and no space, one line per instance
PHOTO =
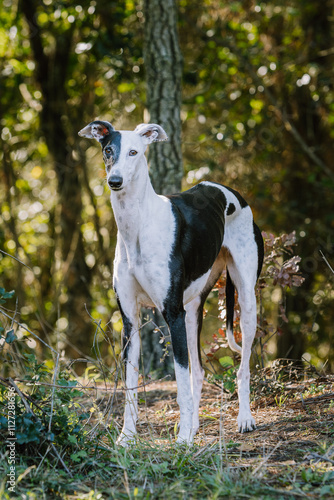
151,133
97,130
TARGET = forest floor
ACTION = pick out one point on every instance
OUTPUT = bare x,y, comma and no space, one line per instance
289,455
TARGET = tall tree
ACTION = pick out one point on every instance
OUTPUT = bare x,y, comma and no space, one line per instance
163,66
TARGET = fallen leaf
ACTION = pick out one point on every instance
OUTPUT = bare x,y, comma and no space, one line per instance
247,447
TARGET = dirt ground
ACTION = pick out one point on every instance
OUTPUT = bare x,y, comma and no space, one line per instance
295,420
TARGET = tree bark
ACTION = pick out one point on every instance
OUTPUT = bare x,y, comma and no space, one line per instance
163,66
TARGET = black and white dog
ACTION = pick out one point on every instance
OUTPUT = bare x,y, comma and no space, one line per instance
170,252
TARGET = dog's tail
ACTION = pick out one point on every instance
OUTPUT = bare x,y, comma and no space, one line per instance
230,313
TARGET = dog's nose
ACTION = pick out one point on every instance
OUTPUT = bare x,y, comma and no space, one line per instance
115,182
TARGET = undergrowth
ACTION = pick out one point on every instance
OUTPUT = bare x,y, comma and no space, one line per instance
58,434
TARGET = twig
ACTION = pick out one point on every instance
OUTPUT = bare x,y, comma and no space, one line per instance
2,311
328,264
329,451
202,450
222,427
24,401
6,382
90,387
266,458
318,457
54,378
302,399
15,258
61,460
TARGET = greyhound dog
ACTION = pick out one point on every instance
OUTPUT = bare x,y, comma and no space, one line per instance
170,252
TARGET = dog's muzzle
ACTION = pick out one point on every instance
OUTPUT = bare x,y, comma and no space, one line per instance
115,182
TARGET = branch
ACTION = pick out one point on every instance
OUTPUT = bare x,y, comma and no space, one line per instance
328,264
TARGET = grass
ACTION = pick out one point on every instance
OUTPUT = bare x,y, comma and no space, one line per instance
89,465
150,471
66,429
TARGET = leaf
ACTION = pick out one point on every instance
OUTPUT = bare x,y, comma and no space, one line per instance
50,436
226,361
76,457
247,447
10,337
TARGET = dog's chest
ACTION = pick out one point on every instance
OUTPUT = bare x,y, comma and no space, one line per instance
151,265
147,249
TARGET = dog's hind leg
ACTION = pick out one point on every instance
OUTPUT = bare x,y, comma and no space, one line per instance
194,314
244,278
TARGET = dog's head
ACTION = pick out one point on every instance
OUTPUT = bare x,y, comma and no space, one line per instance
123,150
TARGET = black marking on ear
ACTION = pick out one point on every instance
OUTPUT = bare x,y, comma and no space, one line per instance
243,203
230,209
114,139
98,129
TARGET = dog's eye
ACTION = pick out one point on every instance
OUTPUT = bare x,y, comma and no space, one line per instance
133,152
108,150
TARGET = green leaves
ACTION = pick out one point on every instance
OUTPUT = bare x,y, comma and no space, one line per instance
5,295
10,336
226,361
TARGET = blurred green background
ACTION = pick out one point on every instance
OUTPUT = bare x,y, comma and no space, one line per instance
257,114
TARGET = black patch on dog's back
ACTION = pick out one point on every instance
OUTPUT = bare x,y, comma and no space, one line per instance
199,216
230,209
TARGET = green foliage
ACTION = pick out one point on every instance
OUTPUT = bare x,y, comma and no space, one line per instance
257,115
229,376
32,430
4,296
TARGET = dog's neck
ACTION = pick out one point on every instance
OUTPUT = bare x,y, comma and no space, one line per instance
135,206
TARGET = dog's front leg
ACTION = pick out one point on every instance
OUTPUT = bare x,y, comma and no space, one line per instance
177,327
130,356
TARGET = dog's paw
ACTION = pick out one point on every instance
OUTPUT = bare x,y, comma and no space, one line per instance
195,426
246,423
184,441
126,439
185,438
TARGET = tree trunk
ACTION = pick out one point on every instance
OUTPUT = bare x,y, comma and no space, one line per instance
51,73
163,66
